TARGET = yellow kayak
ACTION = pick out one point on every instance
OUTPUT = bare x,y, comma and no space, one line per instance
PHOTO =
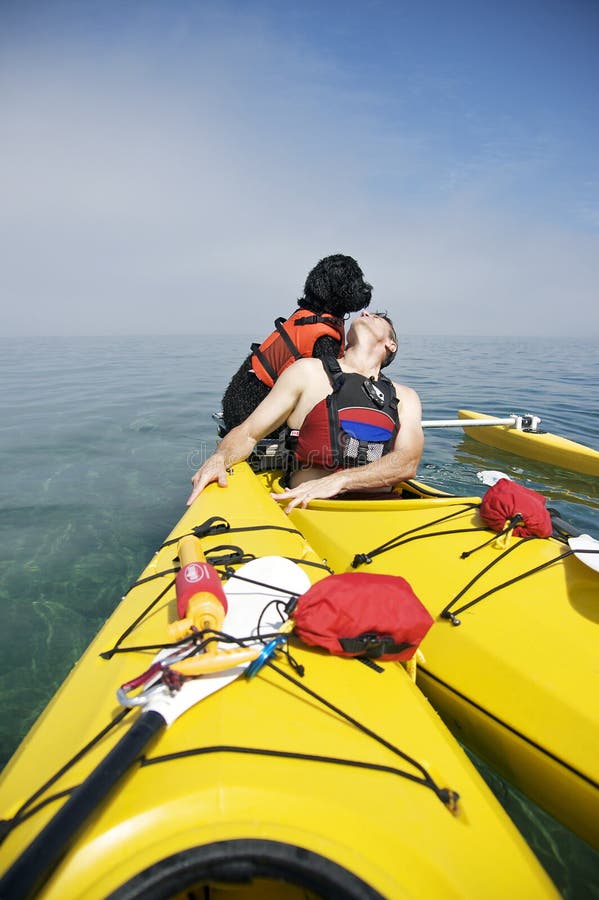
340,783
539,445
511,663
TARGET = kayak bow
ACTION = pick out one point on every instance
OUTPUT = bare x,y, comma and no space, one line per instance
516,436
334,784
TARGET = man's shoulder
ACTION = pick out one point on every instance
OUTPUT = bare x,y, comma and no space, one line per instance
304,366
403,388
405,393
300,373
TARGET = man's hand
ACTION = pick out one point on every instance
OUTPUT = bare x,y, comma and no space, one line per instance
315,489
213,469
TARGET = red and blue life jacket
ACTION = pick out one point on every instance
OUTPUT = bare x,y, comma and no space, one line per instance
356,424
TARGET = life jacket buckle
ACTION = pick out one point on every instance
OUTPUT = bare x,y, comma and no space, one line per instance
374,393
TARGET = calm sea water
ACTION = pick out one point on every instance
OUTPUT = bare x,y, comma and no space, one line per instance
100,436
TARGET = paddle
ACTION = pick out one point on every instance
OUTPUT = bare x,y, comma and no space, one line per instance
583,546
527,423
246,602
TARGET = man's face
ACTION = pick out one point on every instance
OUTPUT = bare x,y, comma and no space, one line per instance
379,326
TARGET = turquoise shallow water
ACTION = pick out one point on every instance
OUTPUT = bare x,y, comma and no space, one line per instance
100,436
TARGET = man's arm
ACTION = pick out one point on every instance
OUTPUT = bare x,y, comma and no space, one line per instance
399,465
240,441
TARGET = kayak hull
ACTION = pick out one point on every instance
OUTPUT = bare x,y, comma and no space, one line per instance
259,790
541,446
567,795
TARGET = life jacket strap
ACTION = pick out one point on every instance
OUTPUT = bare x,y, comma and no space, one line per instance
288,342
334,371
317,320
362,455
255,348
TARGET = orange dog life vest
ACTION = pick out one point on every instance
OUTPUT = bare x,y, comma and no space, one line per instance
292,339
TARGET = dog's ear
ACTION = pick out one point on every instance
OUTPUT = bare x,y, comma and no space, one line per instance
336,285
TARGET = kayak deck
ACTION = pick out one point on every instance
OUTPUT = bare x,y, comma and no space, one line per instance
261,767
538,445
516,679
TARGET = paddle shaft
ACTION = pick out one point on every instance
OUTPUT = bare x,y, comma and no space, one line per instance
561,526
468,423
36,863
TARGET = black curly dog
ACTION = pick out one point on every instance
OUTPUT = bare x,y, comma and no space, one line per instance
335,287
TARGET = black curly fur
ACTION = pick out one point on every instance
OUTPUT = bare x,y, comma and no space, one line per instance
335,286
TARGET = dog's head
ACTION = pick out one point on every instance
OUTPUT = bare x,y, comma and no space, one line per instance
336,285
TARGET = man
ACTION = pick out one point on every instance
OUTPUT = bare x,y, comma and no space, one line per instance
298,396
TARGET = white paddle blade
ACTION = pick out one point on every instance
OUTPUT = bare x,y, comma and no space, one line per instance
268,578
586,549
277,579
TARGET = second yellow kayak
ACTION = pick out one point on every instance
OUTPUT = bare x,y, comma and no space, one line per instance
539,445
511,663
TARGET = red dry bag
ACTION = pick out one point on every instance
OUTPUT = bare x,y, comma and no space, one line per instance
507,499
357,614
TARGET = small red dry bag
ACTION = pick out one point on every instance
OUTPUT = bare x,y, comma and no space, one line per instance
357,614
506,499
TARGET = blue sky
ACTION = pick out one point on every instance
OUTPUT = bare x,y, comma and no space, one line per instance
178,166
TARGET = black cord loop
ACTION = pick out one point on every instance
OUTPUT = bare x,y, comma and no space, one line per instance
414,534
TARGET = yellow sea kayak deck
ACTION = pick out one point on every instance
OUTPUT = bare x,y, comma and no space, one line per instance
518,679
261,763
538,445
